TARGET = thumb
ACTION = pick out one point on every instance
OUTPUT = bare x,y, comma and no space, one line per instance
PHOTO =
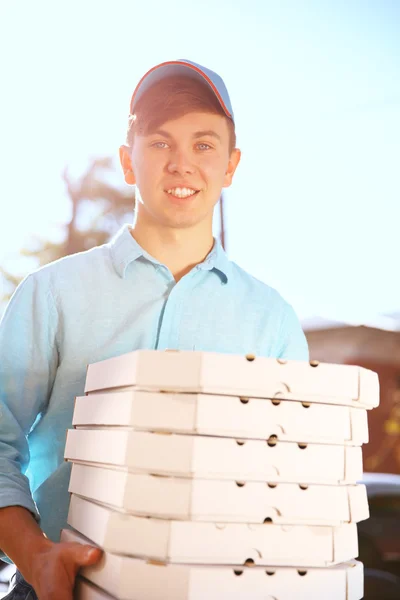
88,555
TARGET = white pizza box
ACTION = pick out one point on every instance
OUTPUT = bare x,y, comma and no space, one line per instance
220,500
84,590
215,457
130,578
233,375
212,543
231,416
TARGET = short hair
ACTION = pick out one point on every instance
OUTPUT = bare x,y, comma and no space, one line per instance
171,98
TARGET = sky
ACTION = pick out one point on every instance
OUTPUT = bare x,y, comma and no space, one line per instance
314,209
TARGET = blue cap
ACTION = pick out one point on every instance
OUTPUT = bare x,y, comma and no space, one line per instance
189,69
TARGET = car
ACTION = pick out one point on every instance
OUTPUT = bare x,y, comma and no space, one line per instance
379,536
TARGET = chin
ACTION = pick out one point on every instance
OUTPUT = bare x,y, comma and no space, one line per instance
187,221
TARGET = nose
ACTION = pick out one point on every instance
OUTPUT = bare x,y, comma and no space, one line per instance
180,163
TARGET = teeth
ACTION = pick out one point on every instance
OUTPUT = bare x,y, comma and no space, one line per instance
181,192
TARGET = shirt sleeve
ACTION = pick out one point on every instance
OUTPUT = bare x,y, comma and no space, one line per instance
294,344
28,364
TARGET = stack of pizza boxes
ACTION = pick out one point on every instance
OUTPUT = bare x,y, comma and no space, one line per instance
205,475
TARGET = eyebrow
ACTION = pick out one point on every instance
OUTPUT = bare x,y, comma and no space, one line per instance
198,134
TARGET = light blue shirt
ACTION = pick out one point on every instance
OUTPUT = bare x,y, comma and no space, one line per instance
102,303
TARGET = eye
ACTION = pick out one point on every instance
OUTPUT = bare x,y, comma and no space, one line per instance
161,145
203,146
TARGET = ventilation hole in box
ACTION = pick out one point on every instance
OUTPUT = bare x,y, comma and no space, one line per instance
270,573
249,562
250,357
244,400
272,485
303,486
240,483
302,573
240,442
306,404
238,573
302,446
272,440
267,520
275,402
314,363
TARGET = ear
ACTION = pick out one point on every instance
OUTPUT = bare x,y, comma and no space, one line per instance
232,166
126,164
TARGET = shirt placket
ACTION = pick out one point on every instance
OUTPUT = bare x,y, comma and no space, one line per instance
172,315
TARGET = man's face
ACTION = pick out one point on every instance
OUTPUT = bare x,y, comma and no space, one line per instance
186,155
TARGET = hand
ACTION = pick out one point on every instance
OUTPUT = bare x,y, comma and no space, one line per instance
54,568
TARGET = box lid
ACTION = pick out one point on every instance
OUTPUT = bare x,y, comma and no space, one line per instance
212,543
131,578
146,581
217,373
220,500
231,416
216,457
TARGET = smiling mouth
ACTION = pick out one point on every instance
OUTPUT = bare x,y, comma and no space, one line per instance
182,193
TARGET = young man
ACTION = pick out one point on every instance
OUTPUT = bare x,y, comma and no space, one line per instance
164,283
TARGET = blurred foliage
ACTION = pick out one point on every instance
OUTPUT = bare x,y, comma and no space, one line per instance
98,210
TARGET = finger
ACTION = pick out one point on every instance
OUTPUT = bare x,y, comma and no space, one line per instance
93,555
87,555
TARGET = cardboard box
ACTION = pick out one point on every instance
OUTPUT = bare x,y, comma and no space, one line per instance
212,543
132,579
220,501
216,458
129,578
84,590
230,416
232,375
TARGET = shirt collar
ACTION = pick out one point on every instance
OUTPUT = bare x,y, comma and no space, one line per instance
125,249
218,261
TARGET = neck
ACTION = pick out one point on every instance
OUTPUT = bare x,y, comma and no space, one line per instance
178,249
